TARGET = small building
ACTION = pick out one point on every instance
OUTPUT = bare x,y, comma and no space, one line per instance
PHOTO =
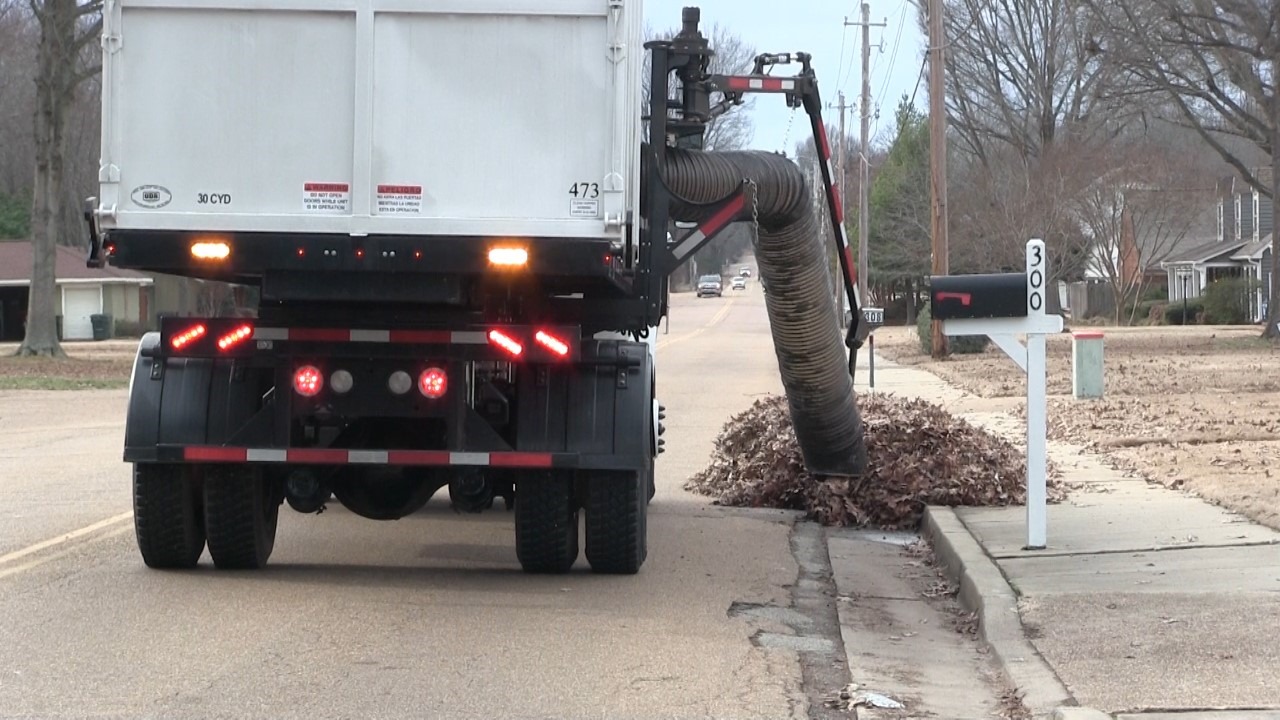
82,292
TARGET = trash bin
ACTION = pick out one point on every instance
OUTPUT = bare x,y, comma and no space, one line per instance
57,321
101,326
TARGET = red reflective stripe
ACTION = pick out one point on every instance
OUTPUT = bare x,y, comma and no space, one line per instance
317,456
519,459
215,454
824,143
835,202
744,83
417,457
319,335
849,263
434,337
723,216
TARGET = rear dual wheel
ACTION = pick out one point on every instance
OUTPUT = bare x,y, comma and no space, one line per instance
241,511
546,522
617,521
168,515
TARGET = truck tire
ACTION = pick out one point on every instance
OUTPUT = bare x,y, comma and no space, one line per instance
167,515
546,523
241,511
617,522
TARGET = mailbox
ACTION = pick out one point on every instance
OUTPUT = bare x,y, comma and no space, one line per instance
972,297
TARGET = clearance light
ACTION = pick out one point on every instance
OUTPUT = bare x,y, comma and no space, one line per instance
552,343
188,336
506,342
511,257
308,381
235,337
433,382
211,250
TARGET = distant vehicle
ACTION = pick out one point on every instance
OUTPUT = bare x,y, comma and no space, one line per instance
739,283
744,271
709,285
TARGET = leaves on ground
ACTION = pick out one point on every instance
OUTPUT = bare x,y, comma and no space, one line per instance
919,455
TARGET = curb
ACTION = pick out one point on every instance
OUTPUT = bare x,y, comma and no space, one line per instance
983,590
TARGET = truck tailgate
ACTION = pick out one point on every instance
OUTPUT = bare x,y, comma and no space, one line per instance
434,117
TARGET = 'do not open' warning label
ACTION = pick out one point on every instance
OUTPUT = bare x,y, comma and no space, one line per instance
326,197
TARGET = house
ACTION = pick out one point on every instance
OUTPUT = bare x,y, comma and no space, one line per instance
1122,256
1241,248
81,292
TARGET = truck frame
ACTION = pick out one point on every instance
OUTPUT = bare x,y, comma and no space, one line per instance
386,362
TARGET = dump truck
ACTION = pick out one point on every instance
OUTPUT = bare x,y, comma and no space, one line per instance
458,220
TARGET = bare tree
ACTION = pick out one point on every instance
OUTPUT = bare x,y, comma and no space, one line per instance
1137,213
1211,64
67,28
1023,75
1027,96
18,39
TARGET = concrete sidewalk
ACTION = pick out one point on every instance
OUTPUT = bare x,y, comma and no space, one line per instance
1146,599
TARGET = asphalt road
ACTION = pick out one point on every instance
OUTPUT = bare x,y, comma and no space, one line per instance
425,617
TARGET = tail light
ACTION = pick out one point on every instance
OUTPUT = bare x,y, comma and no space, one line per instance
235,337
188,336
308,381
552,343
506,342
433,382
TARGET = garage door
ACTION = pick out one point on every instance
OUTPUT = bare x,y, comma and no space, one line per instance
78,303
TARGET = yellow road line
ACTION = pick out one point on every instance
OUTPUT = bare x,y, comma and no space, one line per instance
715,319
37,562
61,540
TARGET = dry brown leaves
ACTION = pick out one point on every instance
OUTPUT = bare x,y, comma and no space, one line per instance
919,455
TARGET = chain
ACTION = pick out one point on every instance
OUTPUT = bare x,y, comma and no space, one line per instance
786,137
755,213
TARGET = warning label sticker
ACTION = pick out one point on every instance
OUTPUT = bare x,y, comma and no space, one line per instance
399,199
584,208
326,197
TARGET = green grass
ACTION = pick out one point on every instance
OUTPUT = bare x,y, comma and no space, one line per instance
22,382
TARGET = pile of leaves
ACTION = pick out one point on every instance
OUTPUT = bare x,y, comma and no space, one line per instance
919,455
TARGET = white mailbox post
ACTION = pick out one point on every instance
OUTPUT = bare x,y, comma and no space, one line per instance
1002,308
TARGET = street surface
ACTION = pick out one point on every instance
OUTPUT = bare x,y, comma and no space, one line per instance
733,616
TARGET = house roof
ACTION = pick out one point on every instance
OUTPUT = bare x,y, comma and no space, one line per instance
15,267
1205,252
1254,250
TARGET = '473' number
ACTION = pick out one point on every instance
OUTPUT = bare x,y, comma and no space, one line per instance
588,191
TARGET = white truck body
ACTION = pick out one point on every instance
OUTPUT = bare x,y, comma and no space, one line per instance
486,118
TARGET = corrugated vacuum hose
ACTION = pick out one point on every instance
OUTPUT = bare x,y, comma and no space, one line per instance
802,312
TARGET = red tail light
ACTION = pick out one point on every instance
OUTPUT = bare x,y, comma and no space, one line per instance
308,381
235,337
552,343
506,342
433,382
188,336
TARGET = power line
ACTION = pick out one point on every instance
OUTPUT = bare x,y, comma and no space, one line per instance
893,56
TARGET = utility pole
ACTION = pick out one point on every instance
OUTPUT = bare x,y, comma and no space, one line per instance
843,184
864,156
938,157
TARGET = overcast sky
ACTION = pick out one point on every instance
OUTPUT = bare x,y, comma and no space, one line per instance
817,27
